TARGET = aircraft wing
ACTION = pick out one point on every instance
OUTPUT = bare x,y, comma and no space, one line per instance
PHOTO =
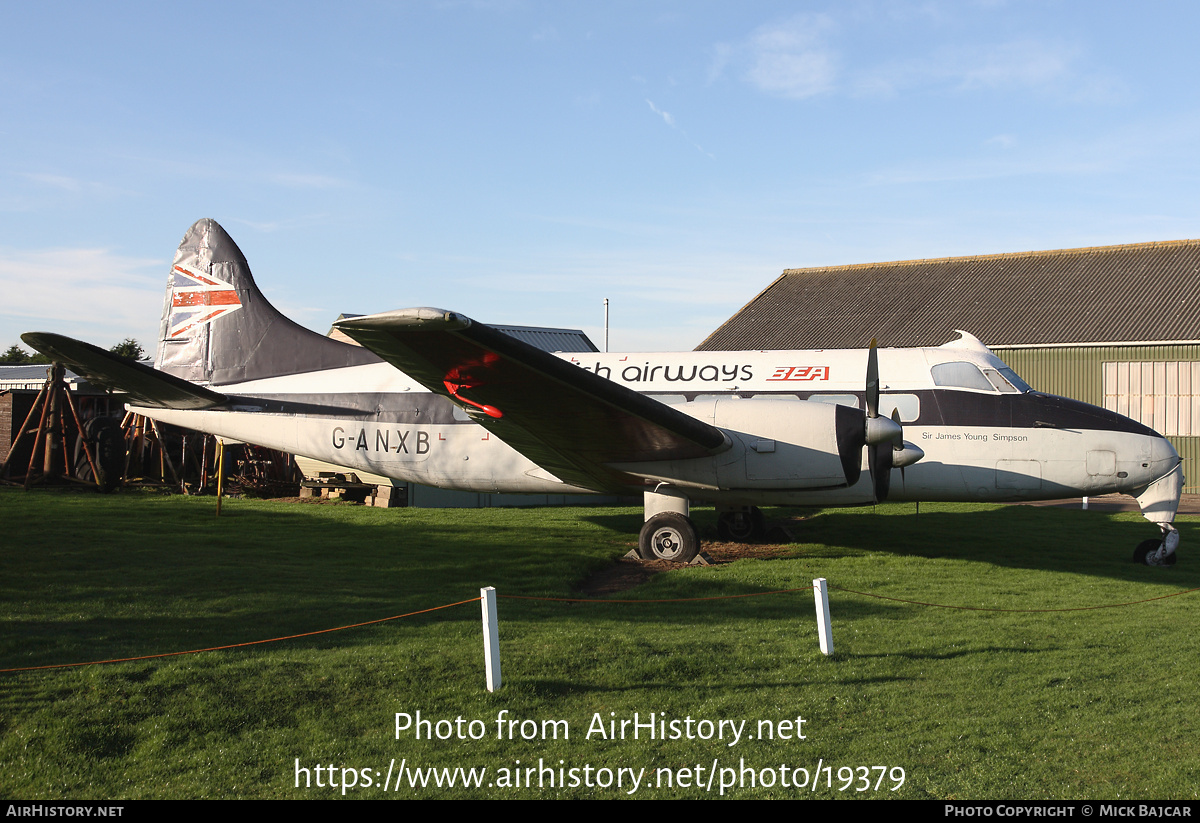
144,386
569,421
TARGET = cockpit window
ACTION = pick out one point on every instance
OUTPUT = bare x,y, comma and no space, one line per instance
1016,380
969,376
961,375
1000,383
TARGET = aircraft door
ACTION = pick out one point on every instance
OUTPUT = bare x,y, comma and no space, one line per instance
1025,475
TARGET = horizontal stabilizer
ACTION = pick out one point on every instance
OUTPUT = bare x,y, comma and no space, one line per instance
144,386
568,420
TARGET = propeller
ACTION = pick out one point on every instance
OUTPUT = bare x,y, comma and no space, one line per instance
903,452
886,446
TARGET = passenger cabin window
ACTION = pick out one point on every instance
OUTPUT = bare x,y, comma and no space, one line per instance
962,375
836,399
909,406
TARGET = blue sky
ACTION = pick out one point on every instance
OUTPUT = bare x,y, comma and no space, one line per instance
521,161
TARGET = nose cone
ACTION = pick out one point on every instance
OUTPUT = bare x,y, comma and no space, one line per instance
1159,499
1163,456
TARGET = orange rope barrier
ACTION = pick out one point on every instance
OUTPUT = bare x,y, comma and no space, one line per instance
239,645
848,591
595,600
674,600
1017,611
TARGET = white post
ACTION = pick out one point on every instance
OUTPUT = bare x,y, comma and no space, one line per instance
491,638
606,324
1085,503
824,629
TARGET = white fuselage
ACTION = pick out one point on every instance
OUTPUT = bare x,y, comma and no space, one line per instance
984,436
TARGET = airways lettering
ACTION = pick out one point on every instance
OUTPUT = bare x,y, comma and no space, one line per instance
649,372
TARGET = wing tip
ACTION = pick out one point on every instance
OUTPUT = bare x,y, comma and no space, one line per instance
425,318
144,386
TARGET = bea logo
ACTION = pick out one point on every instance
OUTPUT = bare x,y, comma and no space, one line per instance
800,373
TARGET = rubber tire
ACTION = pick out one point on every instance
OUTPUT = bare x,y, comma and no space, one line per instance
742,527
1144,549
669,536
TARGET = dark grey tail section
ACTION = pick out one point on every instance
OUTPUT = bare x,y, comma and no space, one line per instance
217,328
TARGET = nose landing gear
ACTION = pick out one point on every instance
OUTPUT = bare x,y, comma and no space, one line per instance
1158,552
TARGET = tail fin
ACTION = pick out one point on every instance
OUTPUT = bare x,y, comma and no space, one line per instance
217,327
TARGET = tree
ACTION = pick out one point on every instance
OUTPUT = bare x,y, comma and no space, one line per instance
129,348
15,354
18,356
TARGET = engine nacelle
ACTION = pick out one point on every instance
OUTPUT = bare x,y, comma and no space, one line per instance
775,444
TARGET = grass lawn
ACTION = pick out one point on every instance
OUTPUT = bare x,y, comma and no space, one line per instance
932,702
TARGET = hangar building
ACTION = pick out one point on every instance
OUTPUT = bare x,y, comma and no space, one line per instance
1115,326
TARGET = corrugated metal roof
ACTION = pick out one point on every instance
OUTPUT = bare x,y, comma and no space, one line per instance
550,340
33,376
1145,292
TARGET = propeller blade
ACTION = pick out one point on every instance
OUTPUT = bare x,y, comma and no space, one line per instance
886,447
872,380
880,431
879,458
898,443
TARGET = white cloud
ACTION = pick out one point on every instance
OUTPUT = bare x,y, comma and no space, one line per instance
288,224
57,181
1001,141
789,59
793,75
670,121
1054,68
89,293
1139,148
810,55
1024,63
666,116
58,186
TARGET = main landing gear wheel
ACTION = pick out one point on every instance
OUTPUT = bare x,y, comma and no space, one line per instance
669,536
743,526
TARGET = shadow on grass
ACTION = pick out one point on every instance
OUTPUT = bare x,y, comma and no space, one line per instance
1026,537
90,577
